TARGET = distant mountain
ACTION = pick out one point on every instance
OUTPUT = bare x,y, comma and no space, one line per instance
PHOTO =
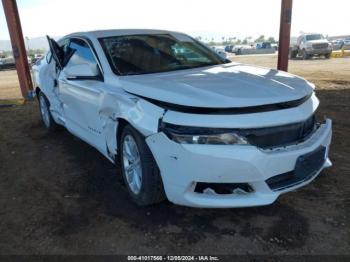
34,43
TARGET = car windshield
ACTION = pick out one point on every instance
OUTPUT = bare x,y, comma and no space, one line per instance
314,37
153,53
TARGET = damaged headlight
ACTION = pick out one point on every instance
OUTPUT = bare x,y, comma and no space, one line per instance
202,135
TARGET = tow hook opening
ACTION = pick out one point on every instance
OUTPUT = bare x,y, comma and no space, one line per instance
223,188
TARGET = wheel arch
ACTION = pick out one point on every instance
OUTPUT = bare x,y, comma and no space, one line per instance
119,111
37,91
113,131
122,123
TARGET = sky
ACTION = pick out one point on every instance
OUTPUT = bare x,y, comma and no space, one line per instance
209,19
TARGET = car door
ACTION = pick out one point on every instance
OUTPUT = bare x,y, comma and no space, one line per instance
80,94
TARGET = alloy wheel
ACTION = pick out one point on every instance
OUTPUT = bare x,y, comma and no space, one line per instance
132,164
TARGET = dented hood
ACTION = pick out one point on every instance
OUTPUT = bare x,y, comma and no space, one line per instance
221,86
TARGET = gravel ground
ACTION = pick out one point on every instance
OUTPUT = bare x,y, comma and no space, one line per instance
60,196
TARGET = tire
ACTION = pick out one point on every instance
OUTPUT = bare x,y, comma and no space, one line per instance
327,56
140,172
46,117
305,55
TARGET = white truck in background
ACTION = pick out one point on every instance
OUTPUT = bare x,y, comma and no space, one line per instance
309,45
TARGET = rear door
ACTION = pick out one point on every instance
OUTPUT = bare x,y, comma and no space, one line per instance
81,96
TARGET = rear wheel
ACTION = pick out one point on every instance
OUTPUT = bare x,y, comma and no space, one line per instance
139,169
45,113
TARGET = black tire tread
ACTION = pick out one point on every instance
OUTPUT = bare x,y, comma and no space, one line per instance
152,190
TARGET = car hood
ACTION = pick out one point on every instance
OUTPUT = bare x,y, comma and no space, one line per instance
222,86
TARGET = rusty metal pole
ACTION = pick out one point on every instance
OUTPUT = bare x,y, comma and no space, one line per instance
18,48
284,38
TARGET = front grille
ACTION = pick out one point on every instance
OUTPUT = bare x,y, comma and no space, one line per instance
320,46
306,167
278,136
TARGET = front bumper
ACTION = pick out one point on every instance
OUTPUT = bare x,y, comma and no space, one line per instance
324,51
183,166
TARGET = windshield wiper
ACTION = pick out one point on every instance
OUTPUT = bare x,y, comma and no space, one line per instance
197,65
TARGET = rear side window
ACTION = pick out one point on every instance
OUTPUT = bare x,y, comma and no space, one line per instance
79,52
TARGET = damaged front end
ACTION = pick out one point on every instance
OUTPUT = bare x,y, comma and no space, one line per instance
206,166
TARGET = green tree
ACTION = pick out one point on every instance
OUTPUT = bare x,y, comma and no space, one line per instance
260,39
271,39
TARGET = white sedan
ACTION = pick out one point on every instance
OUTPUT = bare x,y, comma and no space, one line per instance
184,123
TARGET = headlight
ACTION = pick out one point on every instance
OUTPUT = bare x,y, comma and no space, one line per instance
220,139
202,136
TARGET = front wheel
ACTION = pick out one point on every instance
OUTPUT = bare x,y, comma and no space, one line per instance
305,55
139,169
327,56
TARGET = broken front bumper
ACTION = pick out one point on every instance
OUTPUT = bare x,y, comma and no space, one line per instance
183,166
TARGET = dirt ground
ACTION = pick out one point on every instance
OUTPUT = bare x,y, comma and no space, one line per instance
9,85
60,196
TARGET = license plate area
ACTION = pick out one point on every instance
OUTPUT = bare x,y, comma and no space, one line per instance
309,164
305,168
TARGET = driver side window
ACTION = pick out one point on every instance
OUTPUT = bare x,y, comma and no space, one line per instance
78,52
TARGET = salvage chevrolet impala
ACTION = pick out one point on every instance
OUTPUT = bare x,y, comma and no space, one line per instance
183,122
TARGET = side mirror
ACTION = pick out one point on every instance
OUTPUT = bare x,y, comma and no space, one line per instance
81,72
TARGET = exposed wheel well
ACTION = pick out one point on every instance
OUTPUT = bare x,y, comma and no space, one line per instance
121,124
37,91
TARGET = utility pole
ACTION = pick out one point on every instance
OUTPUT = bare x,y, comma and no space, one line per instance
284,38
18,48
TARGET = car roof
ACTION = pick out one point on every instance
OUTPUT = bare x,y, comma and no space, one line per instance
306,34
119,32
